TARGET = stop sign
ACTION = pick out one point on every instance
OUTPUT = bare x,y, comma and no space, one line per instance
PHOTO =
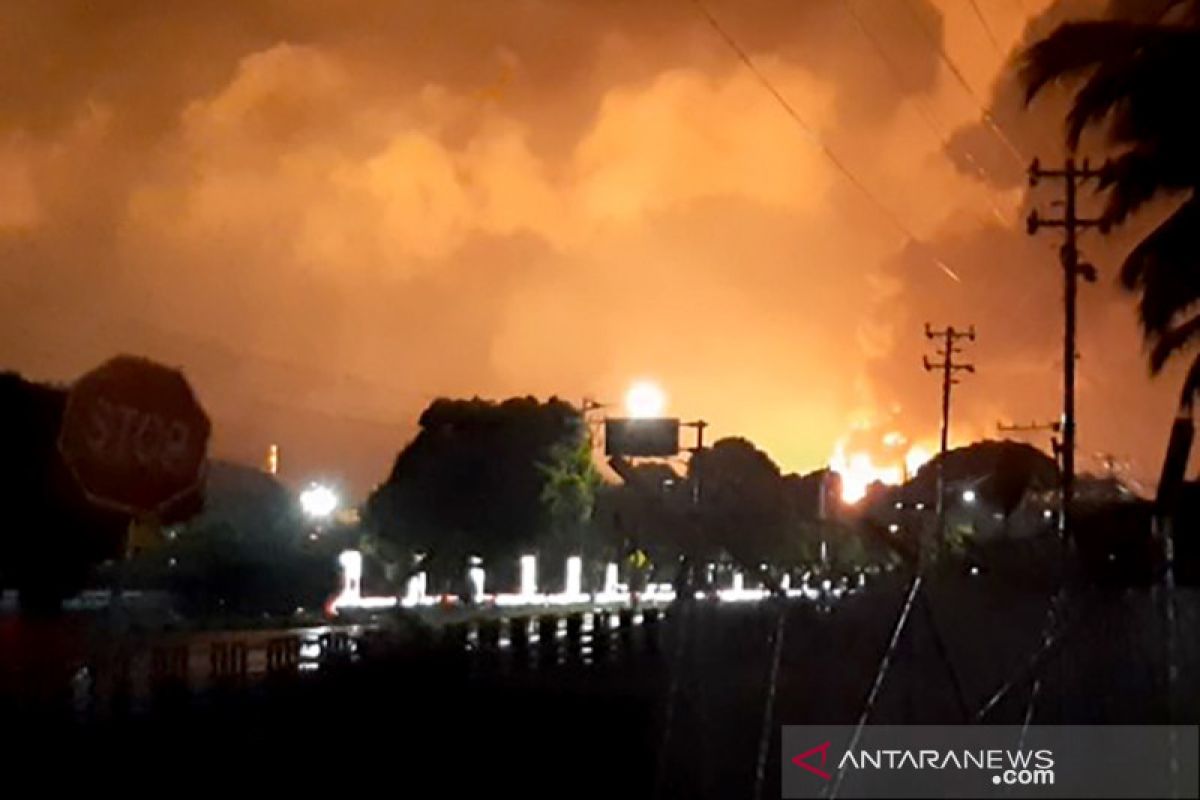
134,435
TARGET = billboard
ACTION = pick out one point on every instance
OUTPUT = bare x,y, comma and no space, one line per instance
641,437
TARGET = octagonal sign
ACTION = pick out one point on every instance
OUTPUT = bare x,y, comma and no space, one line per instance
134,435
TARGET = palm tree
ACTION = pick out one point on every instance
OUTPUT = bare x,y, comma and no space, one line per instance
1140,84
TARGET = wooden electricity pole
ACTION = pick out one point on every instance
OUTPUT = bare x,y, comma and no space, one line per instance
1071,223
947,366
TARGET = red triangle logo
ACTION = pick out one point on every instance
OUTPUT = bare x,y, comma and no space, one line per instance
800,761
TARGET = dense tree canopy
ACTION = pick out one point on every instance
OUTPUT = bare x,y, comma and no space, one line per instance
732,504
1000,473
248,550
744,507
488,479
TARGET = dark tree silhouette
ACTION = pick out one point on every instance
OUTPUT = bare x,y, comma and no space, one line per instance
1138,82
751,511
650,510
743,505
50,535
486,479
1001,473
247,550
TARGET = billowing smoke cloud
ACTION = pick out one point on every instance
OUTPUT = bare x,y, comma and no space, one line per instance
331,214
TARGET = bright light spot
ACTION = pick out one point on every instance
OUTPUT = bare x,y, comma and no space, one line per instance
858,472
318,501
899,506
610,578
893,528
1047,514
645,400
350,596
414,592
968,496
920,506
974,570
917,457
477,577
351,562
528,575
574,575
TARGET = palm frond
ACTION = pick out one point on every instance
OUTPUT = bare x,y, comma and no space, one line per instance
1140,175
1172,341
1113,81
1165,267
1075,47
1191,386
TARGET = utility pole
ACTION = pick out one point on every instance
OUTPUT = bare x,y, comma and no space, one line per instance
1055,428
594,425
1071,223
948,368
699,425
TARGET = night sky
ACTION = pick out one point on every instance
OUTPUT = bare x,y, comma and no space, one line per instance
330,213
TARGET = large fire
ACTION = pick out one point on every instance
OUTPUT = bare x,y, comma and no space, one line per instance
891,463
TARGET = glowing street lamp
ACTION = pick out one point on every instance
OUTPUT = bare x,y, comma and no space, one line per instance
968,496
645,400
318,501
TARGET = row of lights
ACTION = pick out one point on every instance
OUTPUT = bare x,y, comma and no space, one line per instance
350,595
968,497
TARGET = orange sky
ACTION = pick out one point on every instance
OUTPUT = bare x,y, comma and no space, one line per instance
329,214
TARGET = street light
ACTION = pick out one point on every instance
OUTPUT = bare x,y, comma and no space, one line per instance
969,496
318,501
645,400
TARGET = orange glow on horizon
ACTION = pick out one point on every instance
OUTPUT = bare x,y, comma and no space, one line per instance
860,469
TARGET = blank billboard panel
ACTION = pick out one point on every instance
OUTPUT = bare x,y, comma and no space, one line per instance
641,437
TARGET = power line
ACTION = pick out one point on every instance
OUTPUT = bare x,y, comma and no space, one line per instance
988,119
987,29
812,135
1043,133
309,372
927,115
925,112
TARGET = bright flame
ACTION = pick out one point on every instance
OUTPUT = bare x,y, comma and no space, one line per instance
917,457
858,470
645,400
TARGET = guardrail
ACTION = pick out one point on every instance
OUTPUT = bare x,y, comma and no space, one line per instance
133,680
